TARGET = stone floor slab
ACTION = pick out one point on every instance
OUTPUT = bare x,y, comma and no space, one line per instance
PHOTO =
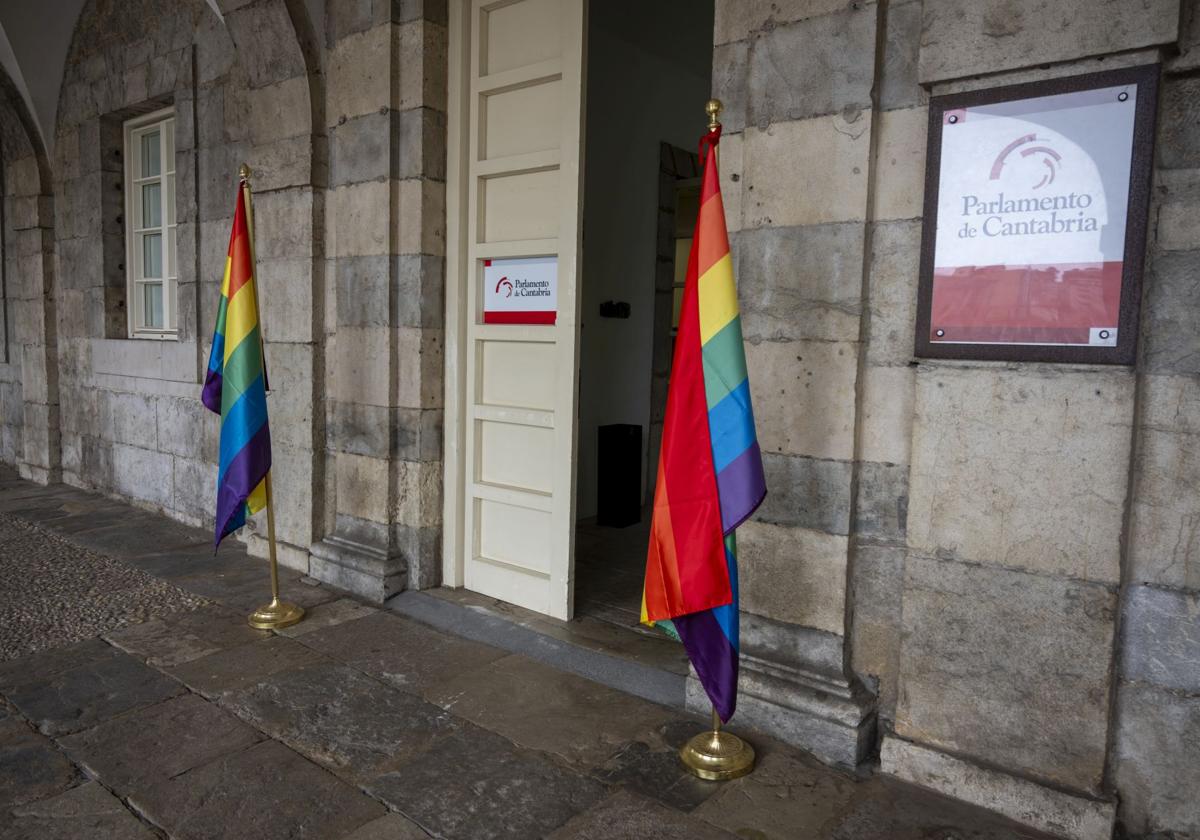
47,664
401,652
329,614
244,666
81,697
475,785
626,814
159,644
266,791
158,742
31,767
340,718
390,827
88,811
544,709
657,774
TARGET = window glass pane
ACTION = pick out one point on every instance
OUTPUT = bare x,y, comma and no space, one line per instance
151,205
152,302
151,153
170,199
152,255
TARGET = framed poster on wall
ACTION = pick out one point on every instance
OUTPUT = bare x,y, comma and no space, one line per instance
1036,201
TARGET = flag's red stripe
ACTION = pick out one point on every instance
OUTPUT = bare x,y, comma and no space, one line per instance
240,265
519,317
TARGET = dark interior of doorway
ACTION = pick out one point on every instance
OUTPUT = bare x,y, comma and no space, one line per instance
649,69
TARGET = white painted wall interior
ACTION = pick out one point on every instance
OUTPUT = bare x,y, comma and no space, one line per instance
649,70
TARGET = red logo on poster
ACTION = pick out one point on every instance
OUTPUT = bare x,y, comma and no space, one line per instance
506,284
1051,160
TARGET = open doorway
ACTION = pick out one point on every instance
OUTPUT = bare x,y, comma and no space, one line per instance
648,76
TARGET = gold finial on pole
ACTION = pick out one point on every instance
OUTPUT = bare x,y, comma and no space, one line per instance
244,172
713,108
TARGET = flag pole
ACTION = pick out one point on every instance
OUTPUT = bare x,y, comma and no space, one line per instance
277,614
716,755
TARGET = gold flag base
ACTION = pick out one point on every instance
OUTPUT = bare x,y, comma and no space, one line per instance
275,615
717,756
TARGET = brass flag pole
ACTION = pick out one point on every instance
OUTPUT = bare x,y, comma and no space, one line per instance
277,614
716,755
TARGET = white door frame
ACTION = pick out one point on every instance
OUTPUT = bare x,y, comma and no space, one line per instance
459,272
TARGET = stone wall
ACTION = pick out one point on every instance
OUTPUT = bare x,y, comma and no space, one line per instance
132,422
994,541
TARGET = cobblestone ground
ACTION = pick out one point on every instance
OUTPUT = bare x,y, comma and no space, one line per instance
154,711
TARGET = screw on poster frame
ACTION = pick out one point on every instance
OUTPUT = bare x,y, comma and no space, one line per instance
1036,206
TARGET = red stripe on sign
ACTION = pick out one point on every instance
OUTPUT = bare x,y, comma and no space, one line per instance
519,317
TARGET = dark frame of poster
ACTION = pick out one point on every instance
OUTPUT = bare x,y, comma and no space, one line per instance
1137,217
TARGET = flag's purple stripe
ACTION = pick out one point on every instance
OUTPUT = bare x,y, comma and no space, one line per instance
248,467
211,396
713,657
742,487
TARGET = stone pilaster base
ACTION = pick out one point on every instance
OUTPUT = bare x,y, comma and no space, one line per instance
350,559
793,687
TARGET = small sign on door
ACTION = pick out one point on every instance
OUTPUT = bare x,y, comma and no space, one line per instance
520,291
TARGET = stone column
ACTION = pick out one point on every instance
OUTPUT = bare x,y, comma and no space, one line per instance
386,243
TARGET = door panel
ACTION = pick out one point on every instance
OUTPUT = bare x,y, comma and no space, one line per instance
520,160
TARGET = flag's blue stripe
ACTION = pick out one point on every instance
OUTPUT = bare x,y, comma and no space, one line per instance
245,417
731,425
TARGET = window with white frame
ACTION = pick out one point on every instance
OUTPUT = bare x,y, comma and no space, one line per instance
150,225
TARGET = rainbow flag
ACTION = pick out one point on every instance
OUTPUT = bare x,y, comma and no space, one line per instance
236,386
710,474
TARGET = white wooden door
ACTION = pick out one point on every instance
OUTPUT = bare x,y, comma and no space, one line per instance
515,193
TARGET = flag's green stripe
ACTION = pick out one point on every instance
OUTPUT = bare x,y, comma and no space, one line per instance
724,362
244,366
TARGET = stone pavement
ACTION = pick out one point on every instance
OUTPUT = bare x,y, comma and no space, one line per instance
177,720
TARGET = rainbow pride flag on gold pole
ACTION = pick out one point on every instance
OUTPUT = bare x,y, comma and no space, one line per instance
710,473
236,388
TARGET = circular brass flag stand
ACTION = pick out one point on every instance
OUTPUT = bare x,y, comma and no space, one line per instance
717,756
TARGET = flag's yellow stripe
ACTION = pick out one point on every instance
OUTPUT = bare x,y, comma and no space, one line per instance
240,318
225,279
257,500
718,298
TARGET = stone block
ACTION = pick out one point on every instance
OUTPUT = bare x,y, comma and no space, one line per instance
1164,527
1170,343
218,183
418,500
739,19
1010,667
84,811
881,507
186,428
362,366
1176,226
731,84
806,493
283,227
347,17
283,163
900,164
1022,468
422,216
731,192
361,74
362,486
812,67
1155,769
420,366
898,87
292,471
627,814
803,394
423,79
279,110
419,299
421,146
363,284
142,474
876,590
1160,638
361,218
363,148
267,46
286,300
886,406
793,574
194,488
892,296
800,282
807,172
1024,801
960,40
128,418
215,53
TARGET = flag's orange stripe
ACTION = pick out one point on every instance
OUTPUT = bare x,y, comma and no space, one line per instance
661,590
711,242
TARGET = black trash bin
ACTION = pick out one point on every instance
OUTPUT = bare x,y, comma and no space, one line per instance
619,476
